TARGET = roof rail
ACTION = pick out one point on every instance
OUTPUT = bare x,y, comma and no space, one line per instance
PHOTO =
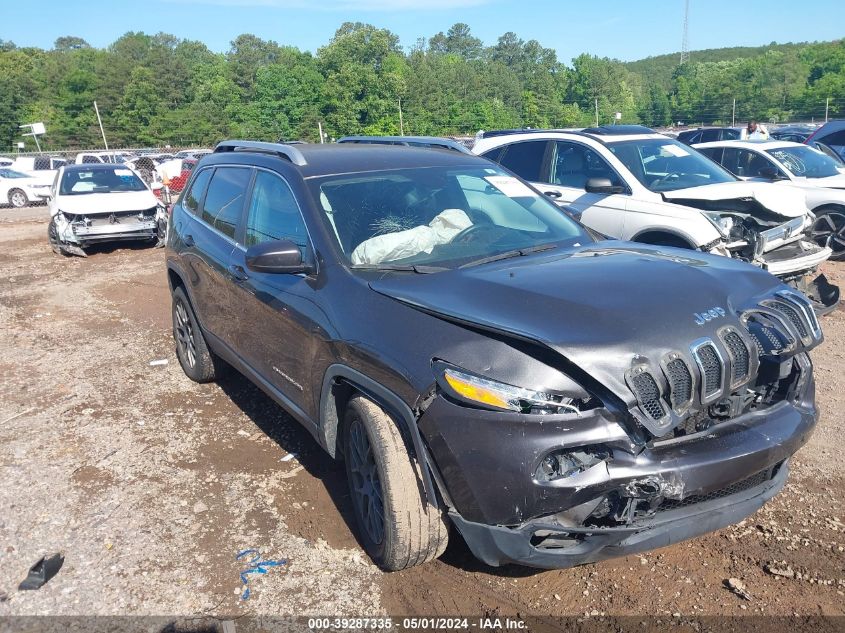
411,141
285,151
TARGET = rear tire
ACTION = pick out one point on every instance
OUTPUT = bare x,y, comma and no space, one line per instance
17,198
397,525
196,359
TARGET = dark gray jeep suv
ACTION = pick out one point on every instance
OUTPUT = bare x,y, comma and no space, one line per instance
477,358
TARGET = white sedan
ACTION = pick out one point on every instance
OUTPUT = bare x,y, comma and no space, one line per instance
820,176
103,202
19,189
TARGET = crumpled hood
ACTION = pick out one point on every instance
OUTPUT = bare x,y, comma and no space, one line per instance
786,201
601,306
96,203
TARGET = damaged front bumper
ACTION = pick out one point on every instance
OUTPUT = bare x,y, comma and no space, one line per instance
548,545
675,489
82,230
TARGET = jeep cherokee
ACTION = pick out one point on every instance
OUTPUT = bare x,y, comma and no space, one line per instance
475,357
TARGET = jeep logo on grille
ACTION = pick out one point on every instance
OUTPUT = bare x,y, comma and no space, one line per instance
708,315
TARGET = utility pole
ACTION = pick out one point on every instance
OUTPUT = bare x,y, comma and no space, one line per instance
597,112
401,124
826,109
733,115
685,40
100,121
320,130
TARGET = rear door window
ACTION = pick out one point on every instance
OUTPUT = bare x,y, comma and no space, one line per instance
709,135
224,200
525,159
713,153
195,195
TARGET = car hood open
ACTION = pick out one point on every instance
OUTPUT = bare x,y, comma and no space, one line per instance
97,203
604,307
783,201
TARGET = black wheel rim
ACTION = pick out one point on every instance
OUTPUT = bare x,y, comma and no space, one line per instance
829,229
365,483
185,335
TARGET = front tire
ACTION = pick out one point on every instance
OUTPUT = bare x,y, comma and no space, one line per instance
18,199
192,351
397,525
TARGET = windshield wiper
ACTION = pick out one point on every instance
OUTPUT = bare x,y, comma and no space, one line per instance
408,268
519,252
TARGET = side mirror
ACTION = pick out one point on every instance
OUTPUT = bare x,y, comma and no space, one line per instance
279,257
603,186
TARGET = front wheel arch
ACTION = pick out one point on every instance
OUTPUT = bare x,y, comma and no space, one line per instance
664,238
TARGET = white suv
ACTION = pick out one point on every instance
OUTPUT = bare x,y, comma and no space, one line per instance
792,164
630,183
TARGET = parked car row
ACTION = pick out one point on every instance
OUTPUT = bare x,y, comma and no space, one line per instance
479,358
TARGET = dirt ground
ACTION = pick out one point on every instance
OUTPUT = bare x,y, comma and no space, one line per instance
151,485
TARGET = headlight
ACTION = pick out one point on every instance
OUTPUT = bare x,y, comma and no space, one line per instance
723,224
496,395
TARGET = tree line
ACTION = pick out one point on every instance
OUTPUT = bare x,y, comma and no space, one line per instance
159,89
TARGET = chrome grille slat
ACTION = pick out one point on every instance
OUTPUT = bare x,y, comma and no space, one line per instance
648,395
740,356
711,365
680,383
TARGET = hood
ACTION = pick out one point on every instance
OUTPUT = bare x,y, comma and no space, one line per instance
783,201
602,307
95,203
833,182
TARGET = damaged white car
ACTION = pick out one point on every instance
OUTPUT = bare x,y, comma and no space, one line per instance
631,183
92,204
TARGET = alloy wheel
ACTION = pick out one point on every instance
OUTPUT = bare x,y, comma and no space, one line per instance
366,485
185,335
18,199
830,226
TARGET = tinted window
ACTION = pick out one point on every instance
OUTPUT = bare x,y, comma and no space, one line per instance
273,212
525,159
225,198
709,135
713,153
194,196
730,135
573,164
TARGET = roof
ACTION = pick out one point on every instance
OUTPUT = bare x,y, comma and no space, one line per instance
761,143
94,166
314,160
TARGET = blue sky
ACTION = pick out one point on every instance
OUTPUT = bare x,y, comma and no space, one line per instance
616,28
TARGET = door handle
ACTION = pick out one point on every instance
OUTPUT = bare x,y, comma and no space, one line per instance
238,273
552,194
188,240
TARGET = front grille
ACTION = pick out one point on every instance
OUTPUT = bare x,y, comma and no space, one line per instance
648,395
769,334
739,355
792,314
711,368
755,480
680,383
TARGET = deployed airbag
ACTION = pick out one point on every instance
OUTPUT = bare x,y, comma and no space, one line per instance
420,239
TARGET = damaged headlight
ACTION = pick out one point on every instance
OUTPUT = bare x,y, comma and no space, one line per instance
495,395
723,224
